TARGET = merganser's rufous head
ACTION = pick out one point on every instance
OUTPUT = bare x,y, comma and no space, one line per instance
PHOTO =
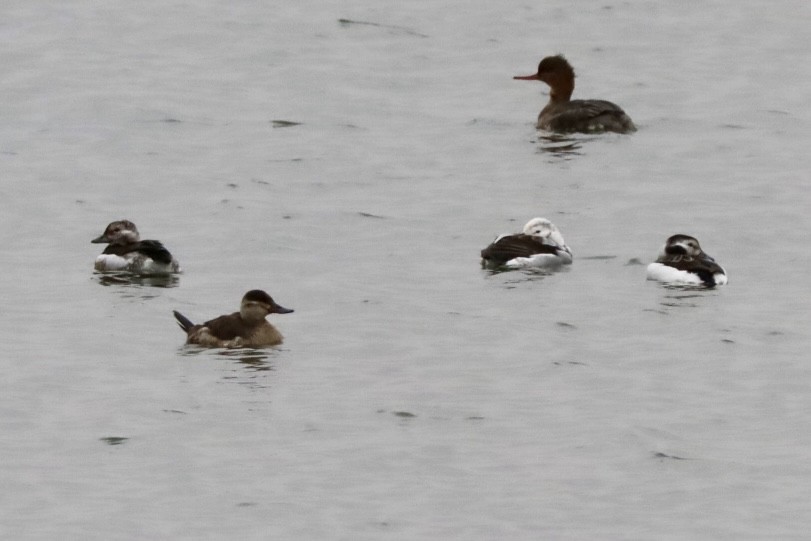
683,245
543,228
552,70
256,304
119,232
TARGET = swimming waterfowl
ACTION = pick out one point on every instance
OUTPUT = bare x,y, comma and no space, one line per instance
126,251
246,328
682,261
539,245
564,115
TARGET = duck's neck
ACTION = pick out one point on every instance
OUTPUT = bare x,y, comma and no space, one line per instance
561,92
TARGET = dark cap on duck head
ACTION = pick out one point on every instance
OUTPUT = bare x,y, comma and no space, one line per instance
550,64
257,295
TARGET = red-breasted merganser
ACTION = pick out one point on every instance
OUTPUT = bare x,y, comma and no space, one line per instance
562,114
682,261
244,329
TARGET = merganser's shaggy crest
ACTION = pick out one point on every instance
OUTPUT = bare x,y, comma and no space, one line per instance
244,329
127,252
682,261
562,114
539,245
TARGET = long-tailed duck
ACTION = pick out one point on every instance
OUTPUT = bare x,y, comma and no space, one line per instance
126,251
564,115
539,245
682,261
246,328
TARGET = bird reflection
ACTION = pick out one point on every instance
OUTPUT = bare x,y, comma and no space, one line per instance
684,295
129,279
254,360
561,146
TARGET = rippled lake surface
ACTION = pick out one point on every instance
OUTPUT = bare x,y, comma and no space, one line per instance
352,159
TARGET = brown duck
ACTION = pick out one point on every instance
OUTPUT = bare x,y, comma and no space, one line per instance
246,328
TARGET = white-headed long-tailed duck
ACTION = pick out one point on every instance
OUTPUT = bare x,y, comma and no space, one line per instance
564,115
539,245
244,329
126,251
682,261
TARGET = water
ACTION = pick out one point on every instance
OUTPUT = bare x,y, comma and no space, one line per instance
416,395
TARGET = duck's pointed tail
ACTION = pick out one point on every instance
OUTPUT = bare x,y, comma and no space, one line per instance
183,321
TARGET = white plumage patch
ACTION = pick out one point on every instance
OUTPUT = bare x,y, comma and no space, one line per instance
663,273
540,260
110,262
135,263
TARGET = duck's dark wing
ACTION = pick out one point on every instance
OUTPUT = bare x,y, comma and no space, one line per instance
511,246
154,250
583,115
595,108
703,266
226,327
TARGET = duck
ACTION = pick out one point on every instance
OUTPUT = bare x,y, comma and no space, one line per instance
682,261
126,251
564,115
247,328
540,244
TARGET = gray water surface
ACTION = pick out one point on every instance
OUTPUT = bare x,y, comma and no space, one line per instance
354,169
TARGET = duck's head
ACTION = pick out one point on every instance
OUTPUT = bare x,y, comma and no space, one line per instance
258,304
119,232
682,245
551,70
544,229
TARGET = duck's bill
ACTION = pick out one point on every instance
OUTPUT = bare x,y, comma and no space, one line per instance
279,309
